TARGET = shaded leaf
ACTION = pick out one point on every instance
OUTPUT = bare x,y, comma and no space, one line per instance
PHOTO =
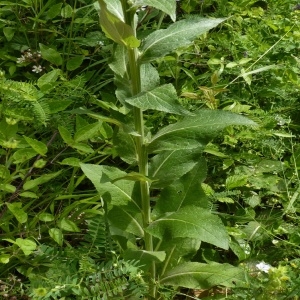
30,184
56,235
18,212
38,146
26,245
51,55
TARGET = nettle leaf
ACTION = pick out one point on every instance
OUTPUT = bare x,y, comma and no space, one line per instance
192,222
66,135
162,98
18,212
68,225
38,146
195,275
26,245
118,193
51,55
236,181
179,34
195,132
186,191
167,6
116,29
168,166
30,184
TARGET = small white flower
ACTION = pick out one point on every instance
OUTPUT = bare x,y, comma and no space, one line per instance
262,266
21,59
37,69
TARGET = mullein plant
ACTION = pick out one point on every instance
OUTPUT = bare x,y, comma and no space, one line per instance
164,232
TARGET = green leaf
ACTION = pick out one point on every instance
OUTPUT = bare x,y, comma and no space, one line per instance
162,98
51,55
195,132
4,172
179,34
127,218
7,187
66,135
26,245
67,11
17,210
9,33
23,155
87,132
71,161
83,148
68,225
192,222
195,275
74,62
30,184
145,258
169,166
4,258
118,193
167,6
29,195
186,191
45,81
150,78
46,217
116,29
58,105
54,11
38,146
235,181
120,61
56,235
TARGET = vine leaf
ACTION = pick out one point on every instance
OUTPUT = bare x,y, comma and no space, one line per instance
192,222
179,34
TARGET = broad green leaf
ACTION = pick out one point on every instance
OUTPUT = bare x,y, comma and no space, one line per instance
145,258
236,181
68,225
195,275
186,191
106,131
30,184
127,218
48,78
9,32
192,222
71,161
23,155
246,76
50,55
87,132
83,148
38,146
7,187
46,217
4,258
4,172
116,29
179,34
195,132
125,146
29,195
74,62
114,6
118,193
169,166
67,11
26,245
18,212
66,135
58,105
149,78
120,61
177,250
54,11
162,98
56,235
262,69
167,6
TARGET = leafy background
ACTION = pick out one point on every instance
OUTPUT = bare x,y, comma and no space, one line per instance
55,241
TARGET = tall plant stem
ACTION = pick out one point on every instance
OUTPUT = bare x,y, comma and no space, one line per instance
135,78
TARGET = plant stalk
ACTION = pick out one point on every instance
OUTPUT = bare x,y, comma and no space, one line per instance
142,155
